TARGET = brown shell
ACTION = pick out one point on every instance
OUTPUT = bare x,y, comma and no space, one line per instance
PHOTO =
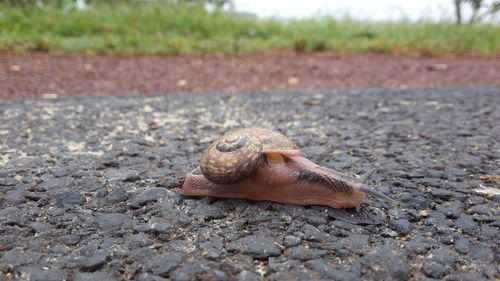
238,154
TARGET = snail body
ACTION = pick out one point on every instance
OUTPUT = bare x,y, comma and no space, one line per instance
261,164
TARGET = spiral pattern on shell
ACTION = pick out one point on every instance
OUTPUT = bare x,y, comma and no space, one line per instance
233,157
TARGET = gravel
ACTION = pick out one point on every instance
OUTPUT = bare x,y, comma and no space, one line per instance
89,187
50,74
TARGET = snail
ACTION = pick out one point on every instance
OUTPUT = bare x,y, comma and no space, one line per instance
261,164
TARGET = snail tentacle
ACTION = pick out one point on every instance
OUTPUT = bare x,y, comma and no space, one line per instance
369,190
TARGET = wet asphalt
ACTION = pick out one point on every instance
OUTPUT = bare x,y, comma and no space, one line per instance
89,187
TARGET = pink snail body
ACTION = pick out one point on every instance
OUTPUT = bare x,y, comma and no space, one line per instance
260,164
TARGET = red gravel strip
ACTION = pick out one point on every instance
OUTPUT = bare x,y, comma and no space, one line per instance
42,75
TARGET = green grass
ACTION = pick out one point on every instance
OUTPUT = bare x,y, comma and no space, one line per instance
178,29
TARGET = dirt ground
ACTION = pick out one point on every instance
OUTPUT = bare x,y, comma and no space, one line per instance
53,75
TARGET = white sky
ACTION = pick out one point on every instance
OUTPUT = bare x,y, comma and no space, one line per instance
374,10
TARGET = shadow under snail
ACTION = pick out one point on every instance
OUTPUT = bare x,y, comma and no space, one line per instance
260,164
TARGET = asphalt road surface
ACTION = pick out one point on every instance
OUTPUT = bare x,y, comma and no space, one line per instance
90,187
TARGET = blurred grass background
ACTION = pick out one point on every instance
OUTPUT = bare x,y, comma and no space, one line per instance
188,27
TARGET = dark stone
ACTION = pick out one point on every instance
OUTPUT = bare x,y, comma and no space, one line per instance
464,276
295,273
15,197
90,248
116,196
483,209
256,246
451,209
111,221
246,275
90,184
435,270
282,264
489,272
459,186
62,171
387,232
436,215
213,248
446,239
313,234
149,277
323,270
163,264
40,227
123,174
16,257
60,249
433,173
109,160
34,196
314,217
176,216
462,246
9,212
488,233
36,273
482,252
70,198
362,217
455,172
441,226
496,198
138,240
384,264
8,181
332,247
357,243
304,254
432,182
409,185
101,193
236,263
446,194
467,225
159,225
495,223
95,276
343,225
211,212
469,161
92,263
291,240
26,163
56,183
70,239
198,271
401,226
419,245
180,246
142,227
147,196
441,256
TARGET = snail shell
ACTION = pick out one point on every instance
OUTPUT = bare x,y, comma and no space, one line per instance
238,154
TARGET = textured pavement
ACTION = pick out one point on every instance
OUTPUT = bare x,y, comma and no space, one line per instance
89,187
